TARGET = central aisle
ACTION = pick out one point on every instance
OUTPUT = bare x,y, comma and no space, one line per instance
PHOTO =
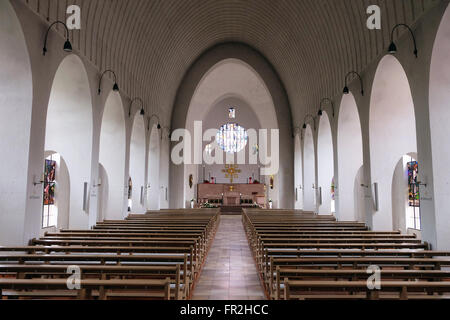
229,272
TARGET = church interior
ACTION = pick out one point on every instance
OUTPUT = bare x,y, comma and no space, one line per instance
225,150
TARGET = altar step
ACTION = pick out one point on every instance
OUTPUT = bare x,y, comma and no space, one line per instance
231,210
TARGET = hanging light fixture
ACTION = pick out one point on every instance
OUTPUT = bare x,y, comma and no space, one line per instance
393,48
67,45
115,86
346,89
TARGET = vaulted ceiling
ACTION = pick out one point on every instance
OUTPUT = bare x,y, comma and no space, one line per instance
311,44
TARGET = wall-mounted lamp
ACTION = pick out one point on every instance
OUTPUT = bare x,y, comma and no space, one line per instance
142,106
305,121
346,89
35,183
115,86
67,45
321,103
150,119
393,48
169,134
99,184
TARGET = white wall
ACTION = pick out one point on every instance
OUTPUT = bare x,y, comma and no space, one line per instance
309,172
69,130
15,123
298,169
325,161
350,158
392,132
440,129
112,156
156,190
399,196
137,164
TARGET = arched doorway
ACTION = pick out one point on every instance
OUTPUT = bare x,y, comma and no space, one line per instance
16,105
154,192
112,159
137,164
350,160
392,133
325,165
440,130
69,131
309,172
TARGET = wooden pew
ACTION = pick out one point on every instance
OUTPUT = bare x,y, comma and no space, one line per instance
105,288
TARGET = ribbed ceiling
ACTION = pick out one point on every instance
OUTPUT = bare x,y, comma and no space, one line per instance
312,44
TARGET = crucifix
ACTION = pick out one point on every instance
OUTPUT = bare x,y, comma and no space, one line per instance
231,172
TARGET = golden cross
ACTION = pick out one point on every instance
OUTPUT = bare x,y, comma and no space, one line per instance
231,172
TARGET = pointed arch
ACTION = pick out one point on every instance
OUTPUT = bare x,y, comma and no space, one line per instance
392,132
309,172
69,118
137,164
15,95
154,192
325,165
350,158
112,158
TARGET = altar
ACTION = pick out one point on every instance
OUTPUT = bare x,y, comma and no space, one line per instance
232,194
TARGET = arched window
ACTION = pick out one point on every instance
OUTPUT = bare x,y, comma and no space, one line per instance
232,138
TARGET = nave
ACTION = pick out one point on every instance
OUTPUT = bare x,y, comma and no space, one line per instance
184,254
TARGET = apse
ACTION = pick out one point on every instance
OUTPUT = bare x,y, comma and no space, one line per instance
15,121
309,171
231,83
440,130
112,160
298,171
392,133
154,192
137,164
69,131
325,166
350,160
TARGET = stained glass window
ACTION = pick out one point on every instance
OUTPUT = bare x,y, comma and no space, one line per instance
50,209
413,171
232,138
413,209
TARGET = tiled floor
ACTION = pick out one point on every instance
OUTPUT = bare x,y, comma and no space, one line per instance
229,272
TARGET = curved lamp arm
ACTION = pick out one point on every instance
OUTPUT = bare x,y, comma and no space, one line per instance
142,106
346,90
321,103
115,87
150,120
393,47
67,44
305,121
